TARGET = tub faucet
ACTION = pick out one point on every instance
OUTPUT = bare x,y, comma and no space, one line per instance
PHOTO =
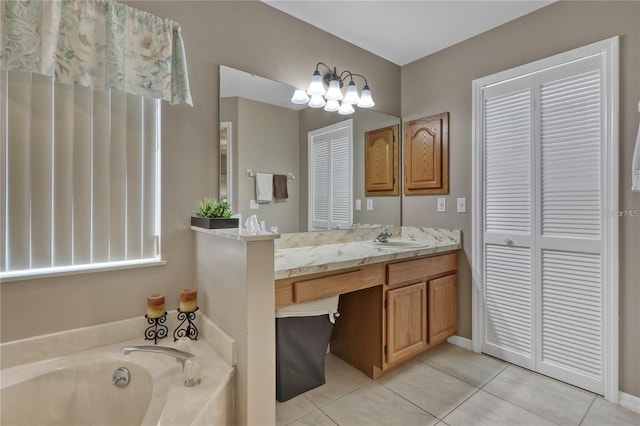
180,356
383,236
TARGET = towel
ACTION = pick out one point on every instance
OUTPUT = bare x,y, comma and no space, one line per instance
635,166
280,187
264,187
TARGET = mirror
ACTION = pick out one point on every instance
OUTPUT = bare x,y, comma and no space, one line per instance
262,131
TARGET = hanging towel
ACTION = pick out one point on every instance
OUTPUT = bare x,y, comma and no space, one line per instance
635,166
280,187
264,187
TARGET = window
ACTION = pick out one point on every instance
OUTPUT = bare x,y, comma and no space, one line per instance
80,177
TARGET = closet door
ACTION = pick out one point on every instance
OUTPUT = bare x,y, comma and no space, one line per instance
508,224
331,177
546,167
570,291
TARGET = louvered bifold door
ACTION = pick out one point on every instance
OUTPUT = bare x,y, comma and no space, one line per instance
570,241
508,226
320,182
341,176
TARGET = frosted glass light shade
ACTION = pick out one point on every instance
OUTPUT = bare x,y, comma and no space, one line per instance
300,97
316,87
351,96
346,109
317,101
366,101
334,93
332,106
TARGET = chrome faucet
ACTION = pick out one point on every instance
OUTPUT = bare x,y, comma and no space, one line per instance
180,356
383,236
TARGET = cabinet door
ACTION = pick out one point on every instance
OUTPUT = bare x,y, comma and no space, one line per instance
426,155
381,161
406,321
443,308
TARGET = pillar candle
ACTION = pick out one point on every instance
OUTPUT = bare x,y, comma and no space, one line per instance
155,306
188,299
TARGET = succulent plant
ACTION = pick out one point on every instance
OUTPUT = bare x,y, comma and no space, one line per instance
208,207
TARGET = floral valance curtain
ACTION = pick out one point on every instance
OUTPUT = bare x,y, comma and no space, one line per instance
96,43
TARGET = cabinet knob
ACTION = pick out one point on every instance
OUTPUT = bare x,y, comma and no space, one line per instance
508,241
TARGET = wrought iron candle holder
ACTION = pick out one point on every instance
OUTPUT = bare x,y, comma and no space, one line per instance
186,328
157,330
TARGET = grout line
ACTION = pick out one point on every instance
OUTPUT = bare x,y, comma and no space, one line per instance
428,412
496,375
519,406
330,418
588,409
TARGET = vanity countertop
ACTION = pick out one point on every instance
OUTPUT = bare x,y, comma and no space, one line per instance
334,252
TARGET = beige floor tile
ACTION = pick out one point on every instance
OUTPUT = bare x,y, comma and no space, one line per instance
373,404
549,398
315,418
432,390
485,409
605,413
293,409
341,378
471,367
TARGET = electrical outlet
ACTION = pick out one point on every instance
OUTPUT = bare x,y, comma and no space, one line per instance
358,205
369,204
253,205
442,205
462,205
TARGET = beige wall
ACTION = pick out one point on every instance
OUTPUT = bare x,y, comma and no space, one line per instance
442,82
246,35
267,142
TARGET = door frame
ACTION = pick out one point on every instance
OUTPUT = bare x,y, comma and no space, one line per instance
609,49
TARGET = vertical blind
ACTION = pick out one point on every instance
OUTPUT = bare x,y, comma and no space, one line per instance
80,175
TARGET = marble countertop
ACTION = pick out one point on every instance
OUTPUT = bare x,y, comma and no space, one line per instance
297,261
239,234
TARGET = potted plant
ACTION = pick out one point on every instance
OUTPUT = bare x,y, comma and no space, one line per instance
212,214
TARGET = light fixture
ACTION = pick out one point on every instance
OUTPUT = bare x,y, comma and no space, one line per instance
317,96
300,97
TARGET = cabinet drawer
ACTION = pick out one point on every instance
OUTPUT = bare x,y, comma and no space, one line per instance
420,269
302,289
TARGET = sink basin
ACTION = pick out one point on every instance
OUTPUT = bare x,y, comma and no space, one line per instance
398,243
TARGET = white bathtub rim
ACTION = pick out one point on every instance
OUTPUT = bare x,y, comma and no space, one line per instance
181,406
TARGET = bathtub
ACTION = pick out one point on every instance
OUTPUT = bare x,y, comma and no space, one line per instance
77,389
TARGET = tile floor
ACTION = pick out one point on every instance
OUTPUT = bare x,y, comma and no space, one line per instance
448,385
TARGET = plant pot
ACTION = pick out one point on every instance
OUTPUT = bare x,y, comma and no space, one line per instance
214,222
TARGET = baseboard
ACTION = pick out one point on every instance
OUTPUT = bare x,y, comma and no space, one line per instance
463,342
629,401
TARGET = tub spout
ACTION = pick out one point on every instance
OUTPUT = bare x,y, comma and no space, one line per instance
180,356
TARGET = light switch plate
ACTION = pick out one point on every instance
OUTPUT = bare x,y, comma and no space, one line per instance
358,205
462,205
253,205
369,204
442,205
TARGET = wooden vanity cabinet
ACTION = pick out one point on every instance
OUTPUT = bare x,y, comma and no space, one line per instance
381,162
389,312
421,305
443,308
406,322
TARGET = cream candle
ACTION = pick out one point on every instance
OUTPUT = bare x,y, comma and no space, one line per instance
155,306
188,299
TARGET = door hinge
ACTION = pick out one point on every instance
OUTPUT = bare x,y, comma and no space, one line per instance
385,349
386,303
